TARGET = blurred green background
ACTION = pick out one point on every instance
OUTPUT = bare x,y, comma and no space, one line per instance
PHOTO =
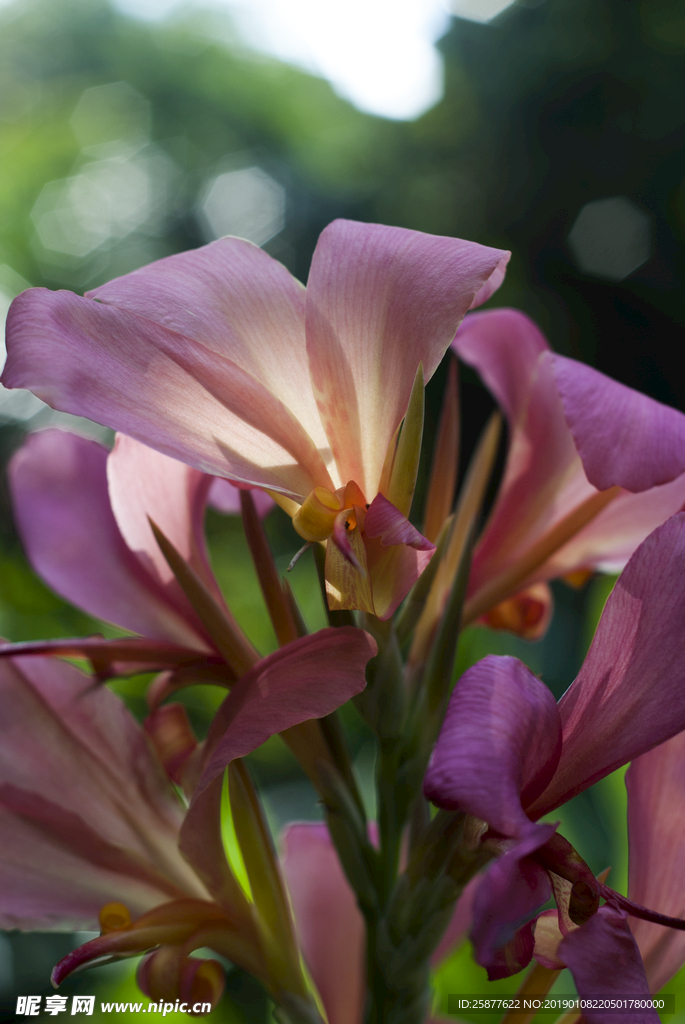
559,136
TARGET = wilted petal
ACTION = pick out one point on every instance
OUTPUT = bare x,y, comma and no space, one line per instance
623,437
510,894
380,300
605,961
629,695
656,879
501,738
308,678
59,490
169,391
329,923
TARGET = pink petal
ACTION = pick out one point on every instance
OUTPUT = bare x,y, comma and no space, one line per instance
492,283
329,923
59,490
396,555
235,300
101,871
623,437
171,392
543,480
225,497
387,523
501,737
379,301
610,539
629,695
656,825
605,961
308,678
504,346
77,756
511,892
144,485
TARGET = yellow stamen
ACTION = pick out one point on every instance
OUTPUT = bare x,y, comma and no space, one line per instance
114,917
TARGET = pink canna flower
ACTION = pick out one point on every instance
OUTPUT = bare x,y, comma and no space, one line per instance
219,358
508,755
655,876
93,832
593,467
83,515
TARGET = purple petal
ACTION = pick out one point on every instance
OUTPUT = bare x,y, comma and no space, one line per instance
656,877
380,300
169,391
59,490
308,678
501,737
623,437
329,923
605,961
629,695
511,892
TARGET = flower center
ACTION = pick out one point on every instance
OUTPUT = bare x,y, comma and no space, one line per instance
315,519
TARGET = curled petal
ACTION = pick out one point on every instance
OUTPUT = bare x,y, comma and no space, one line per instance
501,738
388,524
308,678
622,436
511,892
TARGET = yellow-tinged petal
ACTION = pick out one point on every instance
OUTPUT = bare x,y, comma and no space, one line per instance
315,518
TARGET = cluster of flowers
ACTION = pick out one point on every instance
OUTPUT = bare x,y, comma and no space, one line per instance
230,384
